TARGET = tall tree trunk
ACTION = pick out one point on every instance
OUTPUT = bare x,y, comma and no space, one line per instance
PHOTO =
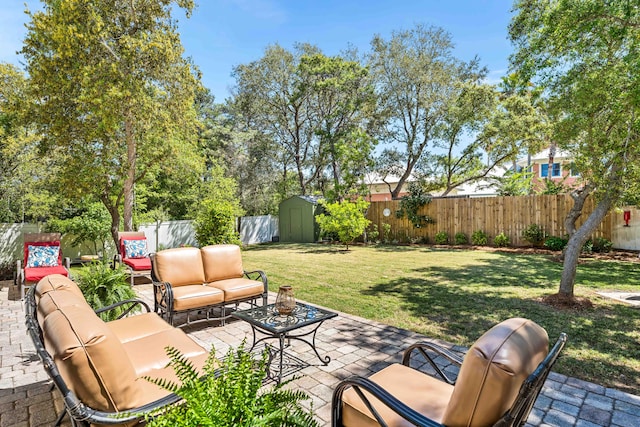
129,182
577,240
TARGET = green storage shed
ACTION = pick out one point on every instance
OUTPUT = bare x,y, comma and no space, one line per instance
297,219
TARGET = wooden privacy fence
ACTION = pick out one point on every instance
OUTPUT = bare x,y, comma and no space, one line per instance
493,215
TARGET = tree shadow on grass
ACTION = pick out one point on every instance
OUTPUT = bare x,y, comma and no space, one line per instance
463,303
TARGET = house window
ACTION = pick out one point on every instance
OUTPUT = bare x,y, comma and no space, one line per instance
573,171
556,171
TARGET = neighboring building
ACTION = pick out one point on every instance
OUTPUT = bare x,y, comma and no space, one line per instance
379,189
297,219
560,163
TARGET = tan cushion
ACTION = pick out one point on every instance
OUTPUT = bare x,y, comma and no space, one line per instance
149,353
221,262
493,370
91,360
235,289
188,297
179,266
52,301
138,326
55,282
417,390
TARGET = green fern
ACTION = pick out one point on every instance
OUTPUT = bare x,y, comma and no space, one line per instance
103,286
229,394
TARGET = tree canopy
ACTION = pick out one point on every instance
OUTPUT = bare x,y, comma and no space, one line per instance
113,95
585,56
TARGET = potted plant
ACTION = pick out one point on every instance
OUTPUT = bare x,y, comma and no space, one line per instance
229,393
103,285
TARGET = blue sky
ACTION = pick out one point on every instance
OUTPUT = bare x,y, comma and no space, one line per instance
224,33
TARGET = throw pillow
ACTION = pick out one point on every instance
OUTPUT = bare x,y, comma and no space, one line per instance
135,248
43,256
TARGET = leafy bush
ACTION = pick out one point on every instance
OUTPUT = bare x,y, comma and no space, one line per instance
373,233
441,238
501,240
230,394
386,232
555,243
103,286
534,234
91,224
345,218
479,238
410,204
215,222
460,238
587,247
600,244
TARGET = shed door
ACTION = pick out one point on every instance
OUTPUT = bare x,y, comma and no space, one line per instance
295,232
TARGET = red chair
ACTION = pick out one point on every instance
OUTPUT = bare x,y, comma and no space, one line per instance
133,254
42,257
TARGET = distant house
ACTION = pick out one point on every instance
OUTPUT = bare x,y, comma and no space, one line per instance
379,188
557,166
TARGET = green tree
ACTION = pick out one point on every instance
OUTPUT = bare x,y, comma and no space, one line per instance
215,220
268,94
341,98
483,129
346,219
585,55
114,95
24,177
90,224
415,75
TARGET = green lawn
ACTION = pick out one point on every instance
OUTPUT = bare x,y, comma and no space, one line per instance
456,295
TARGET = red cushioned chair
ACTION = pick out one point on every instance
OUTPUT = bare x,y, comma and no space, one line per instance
31,269
139,266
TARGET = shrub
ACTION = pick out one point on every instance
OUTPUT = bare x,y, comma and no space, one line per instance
441,238
600,244
345,218
479,238
215,223
373,233
460,238
230,393
587,247
501,240
103,286
534,234
386,232
555,243
411,203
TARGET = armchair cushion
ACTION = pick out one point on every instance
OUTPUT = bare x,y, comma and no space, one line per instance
417,390
493,370
138,264
136,248
36,273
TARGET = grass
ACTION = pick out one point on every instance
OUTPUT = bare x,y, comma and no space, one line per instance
456,295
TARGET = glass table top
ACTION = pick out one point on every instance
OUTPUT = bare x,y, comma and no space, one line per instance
269,319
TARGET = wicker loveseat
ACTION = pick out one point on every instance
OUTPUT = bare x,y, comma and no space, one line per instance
209,280
97,365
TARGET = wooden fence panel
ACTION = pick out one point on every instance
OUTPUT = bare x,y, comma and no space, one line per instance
493,215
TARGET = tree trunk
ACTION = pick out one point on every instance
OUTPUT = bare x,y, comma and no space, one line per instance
576,241
129,182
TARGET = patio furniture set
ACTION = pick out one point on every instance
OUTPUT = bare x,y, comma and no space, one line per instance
95,364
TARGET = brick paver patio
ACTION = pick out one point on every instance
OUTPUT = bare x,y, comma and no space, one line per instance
356,346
